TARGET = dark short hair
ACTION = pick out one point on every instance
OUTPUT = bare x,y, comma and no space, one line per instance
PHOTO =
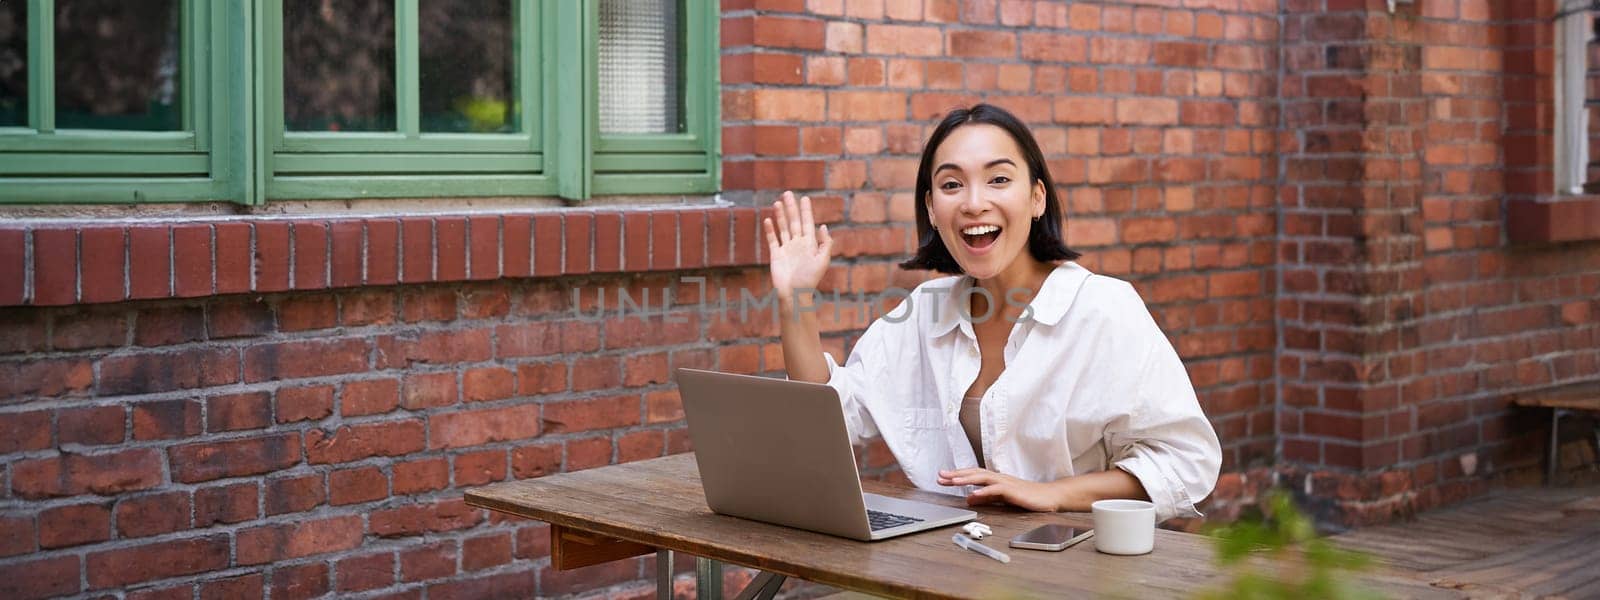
1044,240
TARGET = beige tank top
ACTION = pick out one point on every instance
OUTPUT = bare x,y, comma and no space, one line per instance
970,422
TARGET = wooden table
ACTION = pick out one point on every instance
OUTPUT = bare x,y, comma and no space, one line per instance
659,504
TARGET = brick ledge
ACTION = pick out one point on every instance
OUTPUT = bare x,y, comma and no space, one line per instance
40,263
1565,219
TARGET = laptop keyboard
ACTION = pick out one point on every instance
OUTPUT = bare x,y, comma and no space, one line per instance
883,520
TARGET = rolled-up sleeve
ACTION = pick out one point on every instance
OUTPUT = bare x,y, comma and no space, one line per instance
1165,441
856,383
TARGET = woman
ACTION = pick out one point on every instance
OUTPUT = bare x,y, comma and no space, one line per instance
1023,378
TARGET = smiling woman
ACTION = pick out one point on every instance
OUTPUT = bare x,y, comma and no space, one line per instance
1014,174
1070,396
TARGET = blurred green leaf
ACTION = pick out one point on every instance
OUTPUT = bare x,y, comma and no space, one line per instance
1298,564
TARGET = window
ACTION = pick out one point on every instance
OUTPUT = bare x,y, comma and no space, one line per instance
375,98
192,100
650,134
1574,32
111,101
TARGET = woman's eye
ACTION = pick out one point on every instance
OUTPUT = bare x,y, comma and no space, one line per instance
949,185
1000,179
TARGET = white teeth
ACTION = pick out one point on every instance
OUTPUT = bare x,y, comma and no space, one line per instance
979,229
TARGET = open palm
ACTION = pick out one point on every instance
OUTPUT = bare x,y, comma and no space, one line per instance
799,251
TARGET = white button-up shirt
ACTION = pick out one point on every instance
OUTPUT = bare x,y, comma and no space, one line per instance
1089,383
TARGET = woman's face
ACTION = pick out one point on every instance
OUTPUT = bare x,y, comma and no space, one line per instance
983,200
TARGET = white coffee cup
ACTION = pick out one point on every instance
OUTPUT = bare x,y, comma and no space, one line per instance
1124,526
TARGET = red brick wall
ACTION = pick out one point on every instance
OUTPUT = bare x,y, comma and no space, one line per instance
161,431
1350,243
1314,214
1408,315
1529,310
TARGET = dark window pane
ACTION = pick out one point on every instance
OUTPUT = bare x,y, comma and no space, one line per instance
13,63
117,65
468,70
338,65
639,78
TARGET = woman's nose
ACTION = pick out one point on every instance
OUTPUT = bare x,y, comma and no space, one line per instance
973,202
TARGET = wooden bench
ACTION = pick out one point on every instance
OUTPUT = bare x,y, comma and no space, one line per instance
1563,401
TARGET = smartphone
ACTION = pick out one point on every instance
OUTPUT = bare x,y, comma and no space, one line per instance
1051,537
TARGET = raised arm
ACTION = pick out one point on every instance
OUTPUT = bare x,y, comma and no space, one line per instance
799,253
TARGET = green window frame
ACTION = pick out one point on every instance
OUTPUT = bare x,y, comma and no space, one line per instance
199,162
408,162
679,163
235,146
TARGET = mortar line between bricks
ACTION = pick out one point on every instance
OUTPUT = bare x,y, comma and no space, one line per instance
290,228
127,265
466,250
366,257
172,262
83,576
27,268
399,258
326,261
253,244
77,265
211,275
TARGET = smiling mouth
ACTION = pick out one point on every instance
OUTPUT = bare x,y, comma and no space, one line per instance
980,236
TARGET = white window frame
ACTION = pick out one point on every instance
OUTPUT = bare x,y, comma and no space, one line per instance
1574,29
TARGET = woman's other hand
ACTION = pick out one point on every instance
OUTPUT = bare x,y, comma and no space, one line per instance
798,249
996,487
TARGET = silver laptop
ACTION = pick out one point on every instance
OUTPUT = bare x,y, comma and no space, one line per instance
777,451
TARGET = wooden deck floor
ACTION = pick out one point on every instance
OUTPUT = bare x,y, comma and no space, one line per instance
1522,543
